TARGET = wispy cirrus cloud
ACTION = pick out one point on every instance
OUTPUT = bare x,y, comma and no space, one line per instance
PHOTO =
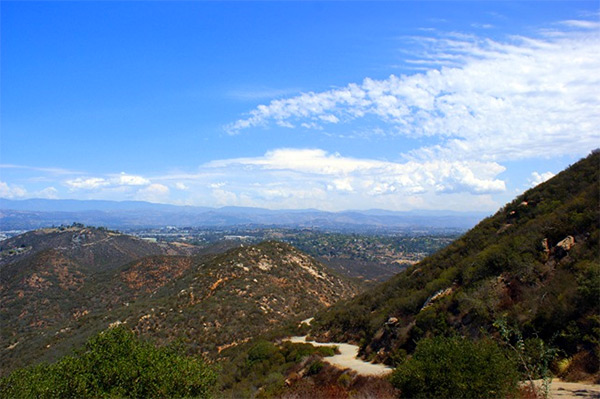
482,26
479,98
52,171
259,93
575,23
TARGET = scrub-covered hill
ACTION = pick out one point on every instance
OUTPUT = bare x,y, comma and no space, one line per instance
55,294
50,277
534,267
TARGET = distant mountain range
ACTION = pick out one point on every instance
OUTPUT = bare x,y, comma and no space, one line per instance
39,213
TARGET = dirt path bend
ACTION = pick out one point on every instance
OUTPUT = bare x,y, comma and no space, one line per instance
347,359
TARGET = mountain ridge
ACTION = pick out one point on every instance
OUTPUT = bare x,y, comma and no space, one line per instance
36,213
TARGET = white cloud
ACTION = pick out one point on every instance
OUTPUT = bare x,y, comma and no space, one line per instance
329,118
480,98
48,192
11,191
90,183
302,160
299,167
341,185
224,197
153,193
314,178
129,180
112,181
301,178
538,178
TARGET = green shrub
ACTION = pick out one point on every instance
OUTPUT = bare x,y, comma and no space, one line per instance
114,364
457,368
345,380
262,351
326,351
315,367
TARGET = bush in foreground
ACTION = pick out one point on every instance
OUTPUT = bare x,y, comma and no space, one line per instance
457,368
114,364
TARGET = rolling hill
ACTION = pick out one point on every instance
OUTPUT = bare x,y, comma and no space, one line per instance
60,286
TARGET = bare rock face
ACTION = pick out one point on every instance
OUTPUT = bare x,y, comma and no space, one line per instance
545,246
563,247
567,243
546,249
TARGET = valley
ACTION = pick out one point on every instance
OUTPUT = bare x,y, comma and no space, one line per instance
300,199
524,278
374,256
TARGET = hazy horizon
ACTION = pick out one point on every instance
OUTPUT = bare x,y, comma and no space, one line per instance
365,210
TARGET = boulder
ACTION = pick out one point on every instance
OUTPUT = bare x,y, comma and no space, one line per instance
567,243
545,246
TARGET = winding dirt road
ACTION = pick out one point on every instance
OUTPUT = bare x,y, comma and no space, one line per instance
347,358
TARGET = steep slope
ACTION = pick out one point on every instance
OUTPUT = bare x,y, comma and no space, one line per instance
534,264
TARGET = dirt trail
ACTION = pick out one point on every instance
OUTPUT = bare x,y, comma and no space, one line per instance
571,390
347,359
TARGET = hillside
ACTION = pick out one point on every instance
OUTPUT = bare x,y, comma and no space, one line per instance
534,264
45,274
93,248
58,290
232,297
48,277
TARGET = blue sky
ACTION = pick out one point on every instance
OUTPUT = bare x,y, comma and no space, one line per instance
328,105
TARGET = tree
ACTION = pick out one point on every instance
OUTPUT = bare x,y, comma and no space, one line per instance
114,363
456,367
